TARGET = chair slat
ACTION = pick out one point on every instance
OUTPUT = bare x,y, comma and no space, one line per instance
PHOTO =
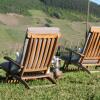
28,52
35,70
92,45
24,51
86,44
33,52
97,51
98,54
51,52
95,45
89,45
41,52
36,53
45,53
50,35
91,58
95,29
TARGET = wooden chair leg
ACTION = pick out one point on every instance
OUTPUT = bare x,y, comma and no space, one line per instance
65,65
96,67
84,68
87,67
22,81
78,68
51,80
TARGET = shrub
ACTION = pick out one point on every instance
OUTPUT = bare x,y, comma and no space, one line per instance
47,25
48,20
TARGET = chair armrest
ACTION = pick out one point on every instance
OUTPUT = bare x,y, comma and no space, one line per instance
12,61
74,52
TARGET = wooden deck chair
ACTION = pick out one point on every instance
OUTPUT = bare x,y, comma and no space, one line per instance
90,55
39,47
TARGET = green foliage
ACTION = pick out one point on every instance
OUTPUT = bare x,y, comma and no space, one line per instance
19,6
48,20
54,12
68,14
72,9
47,25
76,5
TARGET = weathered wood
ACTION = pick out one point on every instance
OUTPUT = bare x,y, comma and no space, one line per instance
91,52
95,29
41,53
45,52
38,54
42,35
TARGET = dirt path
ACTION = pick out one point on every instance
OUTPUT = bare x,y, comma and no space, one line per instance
10,19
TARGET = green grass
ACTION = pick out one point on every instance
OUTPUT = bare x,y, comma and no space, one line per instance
19,7
23,7
72,86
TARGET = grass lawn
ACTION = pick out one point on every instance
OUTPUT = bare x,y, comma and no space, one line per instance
72,86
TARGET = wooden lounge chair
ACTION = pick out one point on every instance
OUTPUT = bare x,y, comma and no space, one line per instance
90,55
39,47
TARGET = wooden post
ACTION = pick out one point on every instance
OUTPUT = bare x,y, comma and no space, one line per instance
87,19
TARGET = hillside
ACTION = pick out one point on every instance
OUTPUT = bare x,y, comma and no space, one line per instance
74,5
70,9
17,15
19,6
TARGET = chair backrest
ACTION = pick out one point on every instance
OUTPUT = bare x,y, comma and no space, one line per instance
39,47
92,46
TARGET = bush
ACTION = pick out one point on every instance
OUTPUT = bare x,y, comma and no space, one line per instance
54,12
19,6
47,25
48,20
